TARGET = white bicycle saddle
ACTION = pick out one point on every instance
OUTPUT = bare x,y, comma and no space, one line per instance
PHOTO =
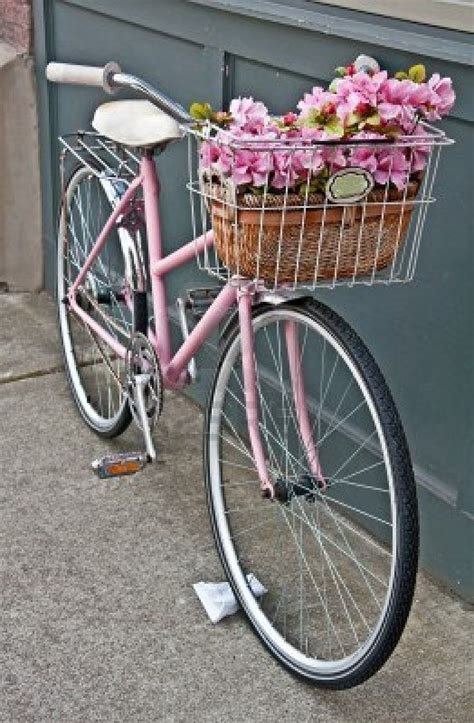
135,123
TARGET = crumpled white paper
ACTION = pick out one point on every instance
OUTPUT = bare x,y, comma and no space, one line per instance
218,599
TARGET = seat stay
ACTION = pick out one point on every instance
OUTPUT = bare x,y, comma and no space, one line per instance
104,234
132,250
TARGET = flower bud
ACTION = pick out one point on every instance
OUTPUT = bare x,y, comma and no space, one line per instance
290,118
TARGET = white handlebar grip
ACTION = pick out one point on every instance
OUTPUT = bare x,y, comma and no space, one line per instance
74,74
82,74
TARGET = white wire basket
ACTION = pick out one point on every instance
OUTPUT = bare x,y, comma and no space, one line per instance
324,213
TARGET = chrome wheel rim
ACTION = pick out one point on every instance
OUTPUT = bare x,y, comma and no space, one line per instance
297,519
97,376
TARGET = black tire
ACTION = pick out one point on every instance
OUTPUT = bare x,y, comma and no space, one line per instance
118,422
407,534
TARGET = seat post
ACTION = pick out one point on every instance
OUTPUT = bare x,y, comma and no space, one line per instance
151,193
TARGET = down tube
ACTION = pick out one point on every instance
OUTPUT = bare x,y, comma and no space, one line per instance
213,316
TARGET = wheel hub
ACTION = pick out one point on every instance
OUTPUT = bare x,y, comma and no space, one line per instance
304,486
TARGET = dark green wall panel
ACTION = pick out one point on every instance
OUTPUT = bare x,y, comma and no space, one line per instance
420,333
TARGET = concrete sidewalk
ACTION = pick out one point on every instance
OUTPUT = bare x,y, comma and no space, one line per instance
99,618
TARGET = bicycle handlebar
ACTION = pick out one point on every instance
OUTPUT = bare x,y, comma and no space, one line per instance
111,79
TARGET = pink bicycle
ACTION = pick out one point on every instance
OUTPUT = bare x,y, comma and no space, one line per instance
307,472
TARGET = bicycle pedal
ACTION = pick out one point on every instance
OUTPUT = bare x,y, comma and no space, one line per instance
119,464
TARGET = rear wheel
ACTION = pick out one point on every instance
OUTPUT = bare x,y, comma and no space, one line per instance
336,552
94,372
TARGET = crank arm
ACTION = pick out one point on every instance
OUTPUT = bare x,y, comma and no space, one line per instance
141,380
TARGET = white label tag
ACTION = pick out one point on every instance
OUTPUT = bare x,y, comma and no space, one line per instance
349,185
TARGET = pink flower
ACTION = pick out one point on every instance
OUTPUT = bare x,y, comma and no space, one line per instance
334,157
348,103
251,167
356,91
308,162
418,154
313,134
300,152
365,85
364,157
400,101
216,157
418,94
442,97
317,99
285,173
209,154
395,102
249,115
392,167
224,163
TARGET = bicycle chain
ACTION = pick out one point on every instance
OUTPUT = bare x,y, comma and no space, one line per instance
94,339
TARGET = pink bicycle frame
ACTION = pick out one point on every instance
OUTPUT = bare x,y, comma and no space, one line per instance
174,367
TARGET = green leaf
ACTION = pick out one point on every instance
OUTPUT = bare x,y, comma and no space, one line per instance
373,120
401,75
353,119
313,119
334,126
341,71
391,131
417,73
201,111
315,183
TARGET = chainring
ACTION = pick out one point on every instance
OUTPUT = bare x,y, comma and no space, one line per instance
141,358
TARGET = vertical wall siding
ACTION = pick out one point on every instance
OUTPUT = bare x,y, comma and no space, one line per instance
420,333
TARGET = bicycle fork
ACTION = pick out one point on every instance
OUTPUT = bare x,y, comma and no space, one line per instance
251,390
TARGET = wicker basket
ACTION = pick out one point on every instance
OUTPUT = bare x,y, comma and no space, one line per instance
337,242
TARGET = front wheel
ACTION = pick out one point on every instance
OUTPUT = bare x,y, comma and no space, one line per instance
337,548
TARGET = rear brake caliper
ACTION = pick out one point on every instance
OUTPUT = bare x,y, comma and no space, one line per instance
133,218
